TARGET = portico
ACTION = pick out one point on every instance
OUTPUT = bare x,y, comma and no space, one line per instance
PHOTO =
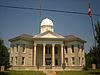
52,53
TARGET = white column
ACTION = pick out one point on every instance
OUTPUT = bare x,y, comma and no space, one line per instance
35,54
53,55
44,54
61,54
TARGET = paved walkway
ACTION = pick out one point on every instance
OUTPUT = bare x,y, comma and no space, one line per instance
50,72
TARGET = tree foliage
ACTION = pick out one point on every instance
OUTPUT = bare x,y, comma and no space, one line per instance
4,55
97,29
97,48
93,57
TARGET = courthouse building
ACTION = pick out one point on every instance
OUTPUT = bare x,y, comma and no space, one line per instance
47,50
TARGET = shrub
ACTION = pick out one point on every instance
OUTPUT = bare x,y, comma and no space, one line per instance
85,68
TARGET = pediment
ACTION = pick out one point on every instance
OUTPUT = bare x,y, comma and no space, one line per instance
48,34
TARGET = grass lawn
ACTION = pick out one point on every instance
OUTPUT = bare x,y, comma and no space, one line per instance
91,72
23,73
71,73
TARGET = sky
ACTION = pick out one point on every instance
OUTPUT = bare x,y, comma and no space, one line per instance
14,22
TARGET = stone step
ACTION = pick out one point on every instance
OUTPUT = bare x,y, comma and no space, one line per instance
50,72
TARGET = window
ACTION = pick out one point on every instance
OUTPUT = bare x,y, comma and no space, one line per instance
11,59
79,60
66,49
17,48
23,48
16,60
82,60
72,48
23,60
66,60
56,50
73,60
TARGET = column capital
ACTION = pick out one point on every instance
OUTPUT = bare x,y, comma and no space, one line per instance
53,44
35,44
62,44
44,44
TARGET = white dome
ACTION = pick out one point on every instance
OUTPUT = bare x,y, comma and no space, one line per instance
47,22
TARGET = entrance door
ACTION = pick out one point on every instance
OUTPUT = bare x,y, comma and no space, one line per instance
48,63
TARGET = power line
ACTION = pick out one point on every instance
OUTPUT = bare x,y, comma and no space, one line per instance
51,10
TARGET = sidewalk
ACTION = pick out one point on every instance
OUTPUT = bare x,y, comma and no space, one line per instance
50,72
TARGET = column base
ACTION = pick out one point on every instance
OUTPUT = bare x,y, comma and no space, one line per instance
53,67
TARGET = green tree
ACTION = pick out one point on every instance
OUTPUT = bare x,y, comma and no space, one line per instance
4,55
88,59
97,48
97,29
93,57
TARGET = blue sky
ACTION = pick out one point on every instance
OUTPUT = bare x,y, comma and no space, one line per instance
14,22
